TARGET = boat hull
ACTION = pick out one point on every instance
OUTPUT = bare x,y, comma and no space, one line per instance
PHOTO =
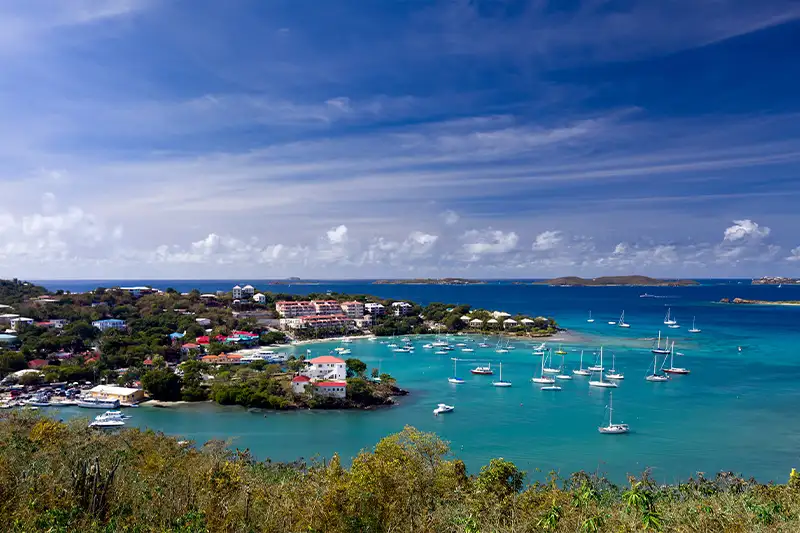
547,381
657,379
614,429
676,371
501,384
455,381
603,384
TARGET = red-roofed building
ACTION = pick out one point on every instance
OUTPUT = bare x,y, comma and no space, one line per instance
326,367
203,340
244,334
37,363
291,309
92,359
189,346
299,384
331,389
220,338
148,362
353,309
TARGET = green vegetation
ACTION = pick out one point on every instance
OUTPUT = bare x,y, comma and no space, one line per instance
429,281
14,291
65,477
643,281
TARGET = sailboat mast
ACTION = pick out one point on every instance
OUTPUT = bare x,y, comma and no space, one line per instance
610,407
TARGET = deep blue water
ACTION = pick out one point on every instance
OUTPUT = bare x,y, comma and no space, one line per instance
736,411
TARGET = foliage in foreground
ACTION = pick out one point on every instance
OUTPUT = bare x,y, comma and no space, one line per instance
65,477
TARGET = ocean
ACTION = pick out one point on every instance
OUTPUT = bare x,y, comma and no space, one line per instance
736,411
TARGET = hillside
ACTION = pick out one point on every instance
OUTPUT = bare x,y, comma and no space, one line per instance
14,291
608,281
429,281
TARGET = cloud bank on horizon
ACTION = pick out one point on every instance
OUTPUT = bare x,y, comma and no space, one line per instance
147,138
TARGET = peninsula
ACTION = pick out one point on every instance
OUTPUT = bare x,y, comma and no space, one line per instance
776,280
615,281
429,281
758,302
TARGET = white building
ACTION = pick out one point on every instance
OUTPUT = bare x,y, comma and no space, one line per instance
6,318
21,322
326,367
205,322
237,292
401,308
374,309
248,291
476,323
290,309
353,309
331,389
509,323
299,384
327,307
109,323
138,291
259,298
364,322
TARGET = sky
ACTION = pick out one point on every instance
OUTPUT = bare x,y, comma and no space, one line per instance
349,139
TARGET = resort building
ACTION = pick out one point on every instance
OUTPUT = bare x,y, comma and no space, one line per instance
205,322
492,322
109,323
374,309
326,367
327,307
291,309
6,318
331,389
248,291
364,322
237,292
353,309
527,322
299,384
401,308
21,322
465,319
325,322
509,323
222,359
259,298
125,395
476,323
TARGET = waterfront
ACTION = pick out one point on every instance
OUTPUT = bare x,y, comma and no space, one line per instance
734,412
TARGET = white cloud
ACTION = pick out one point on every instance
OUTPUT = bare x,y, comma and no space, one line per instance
745,229
795,254
483,242
450,217
547,240
337,235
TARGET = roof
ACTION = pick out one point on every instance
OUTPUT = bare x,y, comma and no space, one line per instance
492,321
111,389
353,302
527,320
190,346
325,359
37,363
108,321
509,321
236,287
208,295
331,384
476,320
202,340
209,357
177,335
147,362
301,379
244,334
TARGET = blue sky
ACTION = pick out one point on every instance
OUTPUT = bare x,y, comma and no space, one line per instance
496,138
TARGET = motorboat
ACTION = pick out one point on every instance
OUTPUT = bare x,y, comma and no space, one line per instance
483,370
440,352
106,423
443,408
612,428
467,350
551,388
88,402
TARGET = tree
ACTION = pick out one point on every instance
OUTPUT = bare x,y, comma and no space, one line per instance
162,384
355,367
11,362
273,337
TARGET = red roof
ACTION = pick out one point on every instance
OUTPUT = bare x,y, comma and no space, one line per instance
92,359
37,363
202,340
148,362
244,334
324,359
331,384
190,346
301,379
220,338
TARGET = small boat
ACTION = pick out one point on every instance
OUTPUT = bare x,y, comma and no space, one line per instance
613,374
455,379
483,370
403,350
500,382
542,379
106,423
561,375
597,367
600,382
672,368
551,388
483,345
405,339
427,346
467,350
612,428
668,320
560,351
612,322
590,319
622,322
391,345
581,371
655,377
460,344
538,352
440,352
549,369
96,403
645,295
443,408
658,349
674,326
694,329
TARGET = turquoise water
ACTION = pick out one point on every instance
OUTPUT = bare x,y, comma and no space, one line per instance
736,411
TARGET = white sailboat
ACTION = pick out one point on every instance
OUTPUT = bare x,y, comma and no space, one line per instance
561,375
613,374
500,382
694,329
674,325
600,382
545,380
590,319
455,379
655,376
622,322
597,367
581,371
658,349
549,369
668,320
672,368
612,428
501,348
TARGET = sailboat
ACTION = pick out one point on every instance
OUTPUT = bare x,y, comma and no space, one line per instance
668,320
672,368
694,327
549,369
581,371
596,367
455,379
674,325
560,351
600,382
622,322
547,380
612,428
500,382
613,374
655,376
590,319
658,349
561,375
501,348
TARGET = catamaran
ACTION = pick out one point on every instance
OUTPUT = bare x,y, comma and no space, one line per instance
600,382
483,370
655,376
612,428
613,374
500,382
581,371
672,368
590,319
657,347
668,320
694,329
546,380
622,322
455,379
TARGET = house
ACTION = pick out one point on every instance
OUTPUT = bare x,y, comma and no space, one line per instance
125,395
353,309
509,323
203,340
20,323
186,348
401,308
222,359
327,307
465,319
37,363
237,292
6,318
527,322
476,323
248,291
58,323
331,389
492,322
109,323
364,322
374,309
205,322
208,296
299,384
290,309
136,292
326,367
260,298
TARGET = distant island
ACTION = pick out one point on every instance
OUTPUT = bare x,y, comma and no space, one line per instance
429,281
611,281
758,302
776,280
